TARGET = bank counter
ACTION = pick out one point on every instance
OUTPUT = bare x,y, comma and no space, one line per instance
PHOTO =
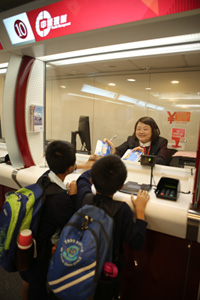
169,265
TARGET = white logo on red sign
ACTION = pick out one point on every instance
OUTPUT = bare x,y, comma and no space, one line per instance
20,29
44,23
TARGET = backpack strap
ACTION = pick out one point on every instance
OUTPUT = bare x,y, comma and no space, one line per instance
49,188
110,208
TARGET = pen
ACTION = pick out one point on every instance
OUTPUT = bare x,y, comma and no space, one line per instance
113,137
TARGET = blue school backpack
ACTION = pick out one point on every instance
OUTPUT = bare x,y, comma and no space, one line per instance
21,210
85,244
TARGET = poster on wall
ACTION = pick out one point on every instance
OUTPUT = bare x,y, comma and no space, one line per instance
1,47
180,117
36,113
69,17
178,136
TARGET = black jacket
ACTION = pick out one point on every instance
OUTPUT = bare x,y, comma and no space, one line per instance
158,148
126,229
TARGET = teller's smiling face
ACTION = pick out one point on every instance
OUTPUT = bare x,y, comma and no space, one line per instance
143,132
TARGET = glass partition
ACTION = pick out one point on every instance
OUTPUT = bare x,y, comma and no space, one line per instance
2,79
115,102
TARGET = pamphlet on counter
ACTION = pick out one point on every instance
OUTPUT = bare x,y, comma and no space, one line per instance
131,155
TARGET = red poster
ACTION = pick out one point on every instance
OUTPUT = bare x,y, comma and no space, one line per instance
182,117
179,117
1,47
177,134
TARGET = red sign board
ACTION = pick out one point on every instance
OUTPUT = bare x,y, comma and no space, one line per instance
69,17
177,134
1,47
179,117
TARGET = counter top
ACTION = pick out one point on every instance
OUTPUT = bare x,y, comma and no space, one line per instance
169,217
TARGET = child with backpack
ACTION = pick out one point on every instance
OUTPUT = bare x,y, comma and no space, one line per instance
108,175
58,208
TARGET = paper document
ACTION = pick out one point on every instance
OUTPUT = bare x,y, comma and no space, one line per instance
102,148
131,155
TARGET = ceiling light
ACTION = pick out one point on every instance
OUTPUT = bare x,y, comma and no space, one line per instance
2,71
3,65
112,84
174,40
187,105
63,86
97,91
141,103
131,79
150,105
127,99
94,98
174,81
129,54
159,108
148,89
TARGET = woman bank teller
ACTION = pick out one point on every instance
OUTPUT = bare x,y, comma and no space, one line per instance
146,138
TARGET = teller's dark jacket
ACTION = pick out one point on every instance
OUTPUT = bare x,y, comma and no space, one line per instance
158,148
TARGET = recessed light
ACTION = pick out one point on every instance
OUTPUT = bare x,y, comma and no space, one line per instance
174,81
63,86
4,65
131,79
2,71
112,84
148,89
161,46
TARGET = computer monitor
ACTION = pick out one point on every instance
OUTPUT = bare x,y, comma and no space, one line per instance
84,134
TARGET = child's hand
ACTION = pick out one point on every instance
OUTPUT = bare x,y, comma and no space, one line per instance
88,165
140,203
72,187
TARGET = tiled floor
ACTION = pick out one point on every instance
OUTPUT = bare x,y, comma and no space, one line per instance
10,285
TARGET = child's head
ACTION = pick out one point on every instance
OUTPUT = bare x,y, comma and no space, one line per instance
108,174
60,156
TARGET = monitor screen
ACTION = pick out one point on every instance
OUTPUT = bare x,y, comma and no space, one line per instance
84,133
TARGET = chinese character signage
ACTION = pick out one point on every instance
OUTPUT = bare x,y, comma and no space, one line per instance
179,117
177,135
69,17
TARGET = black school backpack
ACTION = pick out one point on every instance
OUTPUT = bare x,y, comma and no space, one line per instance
85,244
22,210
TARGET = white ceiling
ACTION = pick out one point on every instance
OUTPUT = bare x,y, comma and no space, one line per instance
142,65
173,25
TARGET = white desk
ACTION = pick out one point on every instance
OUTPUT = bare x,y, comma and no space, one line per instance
164,216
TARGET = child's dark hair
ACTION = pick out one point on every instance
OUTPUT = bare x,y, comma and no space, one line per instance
108,174
60,155
154,127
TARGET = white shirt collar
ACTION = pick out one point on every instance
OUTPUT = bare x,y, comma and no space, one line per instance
145,144
55,179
